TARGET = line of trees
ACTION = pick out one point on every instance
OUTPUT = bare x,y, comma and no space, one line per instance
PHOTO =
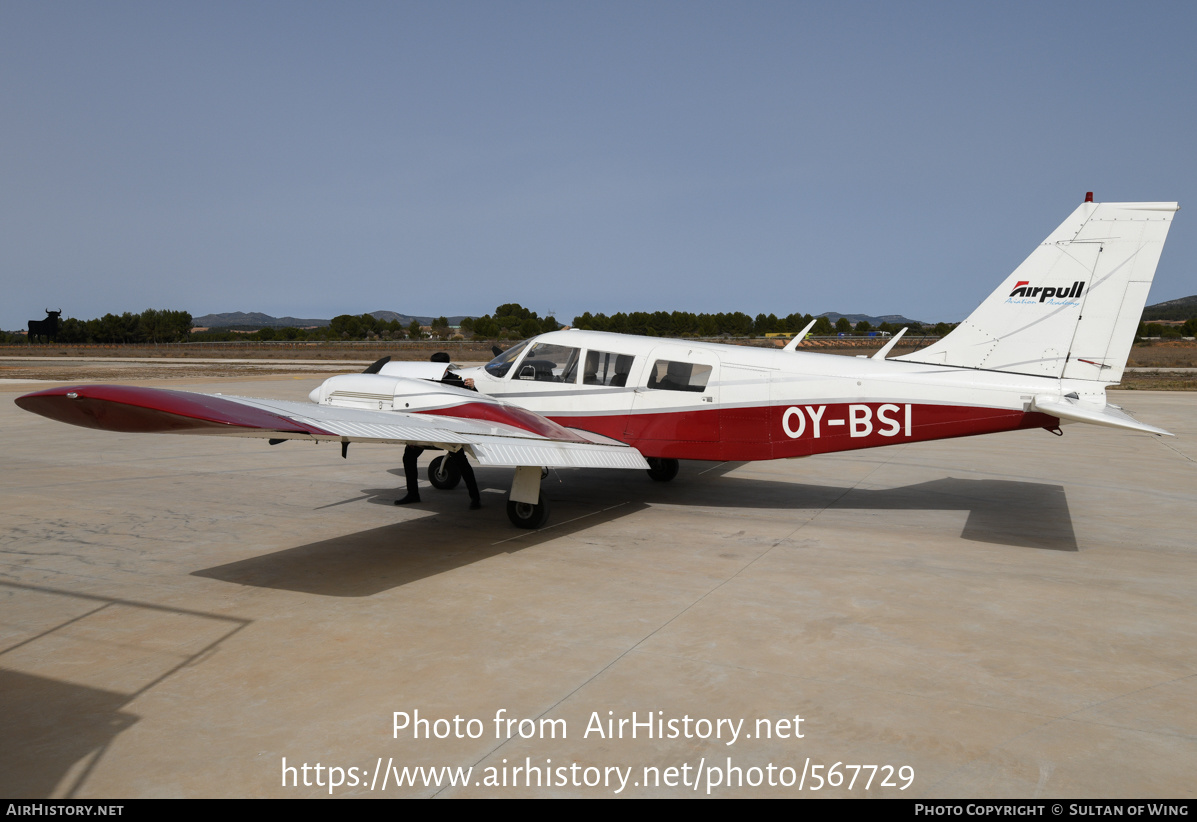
150,326
510,321
1189,329
736,324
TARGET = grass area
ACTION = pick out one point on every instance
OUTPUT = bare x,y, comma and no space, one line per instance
1158,381
1164,354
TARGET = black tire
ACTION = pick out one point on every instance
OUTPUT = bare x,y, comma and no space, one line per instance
526,515
661,469
443,474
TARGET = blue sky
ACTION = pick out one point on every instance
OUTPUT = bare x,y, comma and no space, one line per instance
314,159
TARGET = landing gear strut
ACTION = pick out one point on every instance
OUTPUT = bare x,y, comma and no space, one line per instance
662,469
526,506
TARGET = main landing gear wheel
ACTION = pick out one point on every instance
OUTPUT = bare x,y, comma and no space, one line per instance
443,474
527,515
661,469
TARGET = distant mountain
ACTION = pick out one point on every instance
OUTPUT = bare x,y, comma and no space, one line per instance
255,320
896,320
1181,309
405,319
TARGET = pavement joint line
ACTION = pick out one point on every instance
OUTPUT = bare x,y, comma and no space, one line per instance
1171,447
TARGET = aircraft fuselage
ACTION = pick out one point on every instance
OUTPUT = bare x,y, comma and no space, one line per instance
745,403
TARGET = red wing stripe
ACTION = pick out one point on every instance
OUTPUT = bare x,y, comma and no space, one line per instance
509,415
149,410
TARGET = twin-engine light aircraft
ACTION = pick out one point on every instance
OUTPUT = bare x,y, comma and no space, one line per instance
1039,352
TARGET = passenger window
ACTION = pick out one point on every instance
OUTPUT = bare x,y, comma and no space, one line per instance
606,368
670,375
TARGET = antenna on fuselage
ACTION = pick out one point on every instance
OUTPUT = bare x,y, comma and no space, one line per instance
889,346
792,344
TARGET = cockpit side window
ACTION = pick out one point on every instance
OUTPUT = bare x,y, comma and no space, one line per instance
500,365
550,363
671,375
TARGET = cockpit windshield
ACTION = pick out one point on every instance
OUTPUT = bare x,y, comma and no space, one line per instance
500,365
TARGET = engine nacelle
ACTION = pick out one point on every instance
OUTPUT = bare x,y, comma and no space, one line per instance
383,392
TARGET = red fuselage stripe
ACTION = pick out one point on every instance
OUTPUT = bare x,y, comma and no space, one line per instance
778,432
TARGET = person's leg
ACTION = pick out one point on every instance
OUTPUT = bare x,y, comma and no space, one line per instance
467,473
410,454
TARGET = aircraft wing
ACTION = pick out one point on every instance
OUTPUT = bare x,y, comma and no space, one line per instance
494,432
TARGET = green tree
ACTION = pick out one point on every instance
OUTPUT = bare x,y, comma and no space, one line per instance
346,327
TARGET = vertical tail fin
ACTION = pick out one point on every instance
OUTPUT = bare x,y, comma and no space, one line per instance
1071,309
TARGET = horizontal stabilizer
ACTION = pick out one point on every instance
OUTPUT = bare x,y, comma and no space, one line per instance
1108,415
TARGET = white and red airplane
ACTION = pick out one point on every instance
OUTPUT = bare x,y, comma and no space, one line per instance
1039,352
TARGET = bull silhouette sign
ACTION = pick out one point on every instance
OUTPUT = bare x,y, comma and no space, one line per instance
47,328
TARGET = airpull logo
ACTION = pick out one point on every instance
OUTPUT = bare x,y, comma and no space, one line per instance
1023,288
860,421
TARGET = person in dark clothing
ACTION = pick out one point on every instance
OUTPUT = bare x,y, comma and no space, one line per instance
457,458
410,454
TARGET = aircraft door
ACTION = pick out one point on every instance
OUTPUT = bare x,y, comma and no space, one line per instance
677,397
745,420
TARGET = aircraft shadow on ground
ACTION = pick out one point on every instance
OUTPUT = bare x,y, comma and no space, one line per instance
368,562
1001,512
48,726
54,730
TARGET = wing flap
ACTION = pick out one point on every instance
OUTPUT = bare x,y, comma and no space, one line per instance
494,451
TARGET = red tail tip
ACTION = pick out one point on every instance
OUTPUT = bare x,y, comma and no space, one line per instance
1088,196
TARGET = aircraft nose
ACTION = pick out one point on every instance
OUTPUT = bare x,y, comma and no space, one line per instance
314,396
